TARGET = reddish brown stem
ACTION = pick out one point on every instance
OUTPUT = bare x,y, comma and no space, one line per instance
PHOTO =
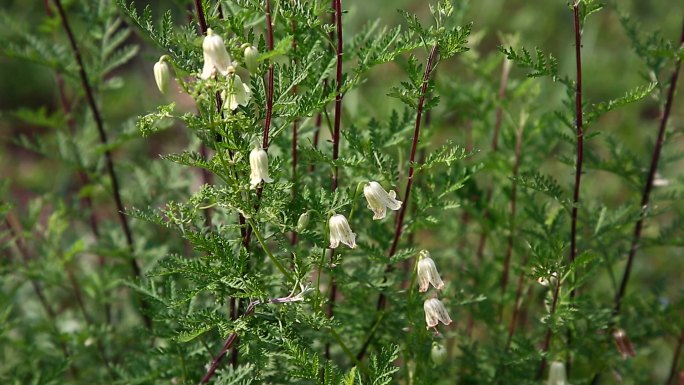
580,137
645,198
338,95
337,5
407,193
269,90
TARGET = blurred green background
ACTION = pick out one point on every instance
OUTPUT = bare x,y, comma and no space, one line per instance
610,67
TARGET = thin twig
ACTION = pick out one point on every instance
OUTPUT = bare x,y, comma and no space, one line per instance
649,181
429,67
123,219
337,5
580,137
579,158
338,95
269,90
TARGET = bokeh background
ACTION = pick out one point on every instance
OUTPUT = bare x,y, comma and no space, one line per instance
611,68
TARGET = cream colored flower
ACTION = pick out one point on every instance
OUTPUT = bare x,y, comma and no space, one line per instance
557,374
340,232
238,93
258,163
435,312
379,199
162,74
427,273
216,56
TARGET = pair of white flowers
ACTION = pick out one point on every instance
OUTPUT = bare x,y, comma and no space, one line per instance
218,61
378,200
427,273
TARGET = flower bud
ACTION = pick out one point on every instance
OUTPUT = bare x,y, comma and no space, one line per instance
438,353
557,374
216,56
162,74
303,222
427,273
340,232
258,162
379,199
251,55
550,281
435,312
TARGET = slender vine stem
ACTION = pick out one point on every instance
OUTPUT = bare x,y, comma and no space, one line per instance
382,299
580,136
337,5
645,198
579,152
273,259
295,123
90,97
414,145
338,95
269,79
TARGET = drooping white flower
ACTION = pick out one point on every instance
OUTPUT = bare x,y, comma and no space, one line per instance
238,93
340,232
162,74
435,312
258,163
557,374
379,199
216,58
427,273
251,55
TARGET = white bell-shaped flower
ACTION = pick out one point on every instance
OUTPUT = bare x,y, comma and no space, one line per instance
216,58
557,375
258,163
427,273
435,312
238,93
379,199
162,74
340,232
